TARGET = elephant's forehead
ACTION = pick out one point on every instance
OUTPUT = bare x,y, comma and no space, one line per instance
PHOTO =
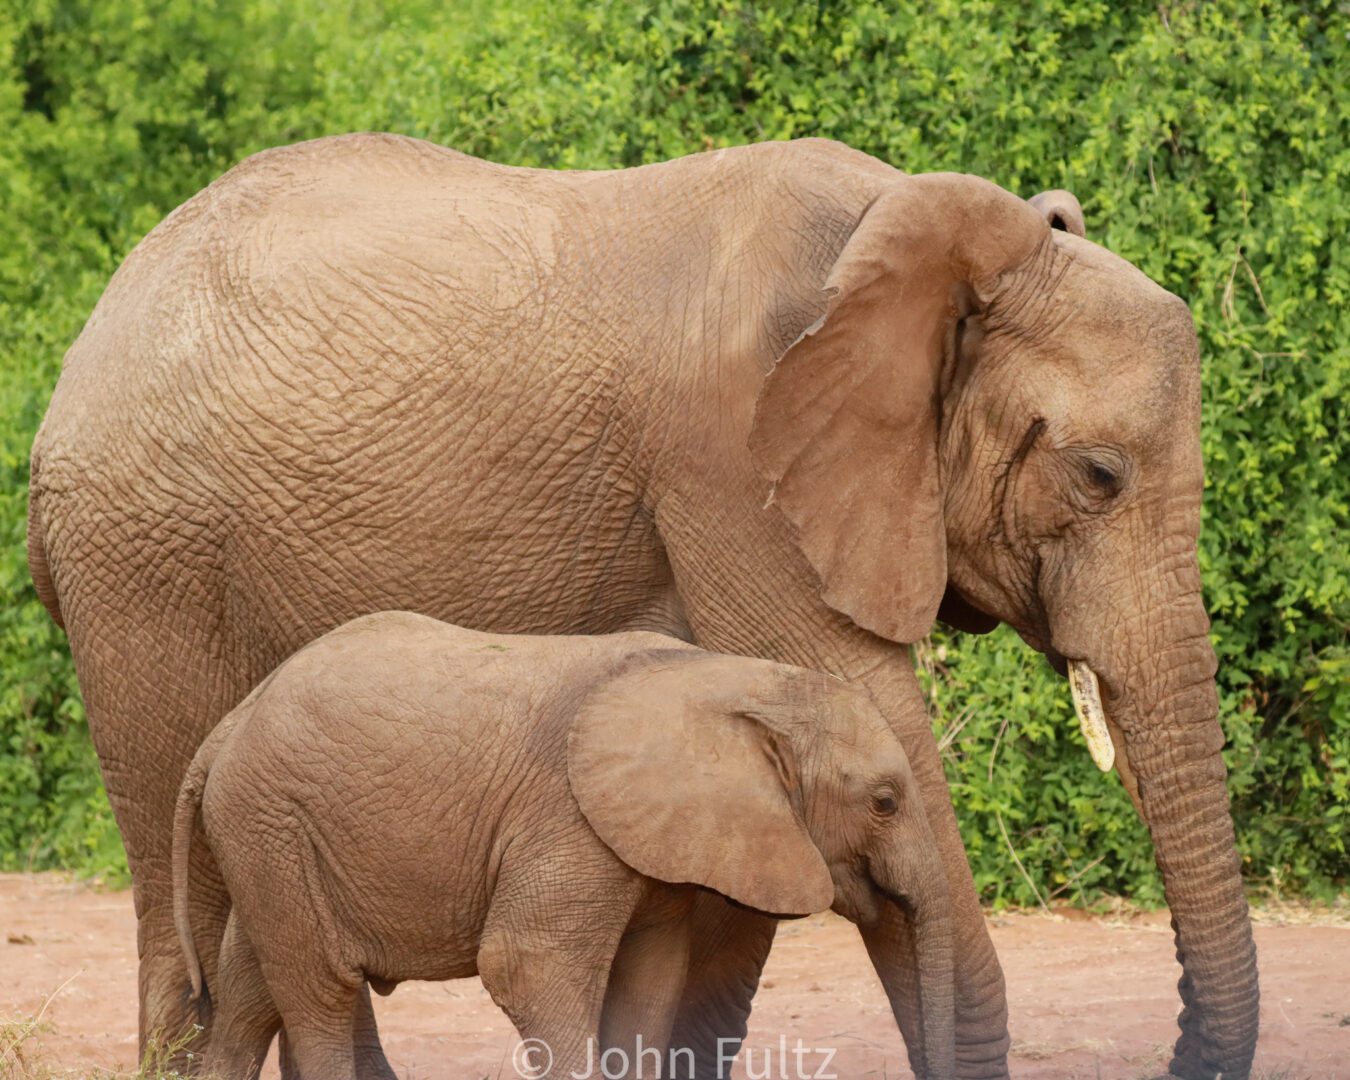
1123,326
852,716
1120,297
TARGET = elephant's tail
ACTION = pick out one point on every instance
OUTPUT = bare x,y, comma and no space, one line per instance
38,569
190,794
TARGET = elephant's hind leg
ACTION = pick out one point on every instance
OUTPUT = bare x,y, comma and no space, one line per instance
371,1064
153,690
317,1006
246,1018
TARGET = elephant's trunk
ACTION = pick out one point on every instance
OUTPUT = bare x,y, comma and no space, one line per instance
1161,709
920,934
1172,743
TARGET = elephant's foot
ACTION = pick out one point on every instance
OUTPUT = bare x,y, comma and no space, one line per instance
173,1028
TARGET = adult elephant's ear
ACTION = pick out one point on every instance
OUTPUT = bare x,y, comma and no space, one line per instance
679,768
1061,210
846,425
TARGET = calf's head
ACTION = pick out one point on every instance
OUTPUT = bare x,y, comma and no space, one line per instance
782,789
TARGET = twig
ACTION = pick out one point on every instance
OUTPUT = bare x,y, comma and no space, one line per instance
1260,296
993,756
1074,877
1226,300
1226,307
950,734
31,1026
1022,869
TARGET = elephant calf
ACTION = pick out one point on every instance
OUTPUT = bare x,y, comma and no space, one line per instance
405,799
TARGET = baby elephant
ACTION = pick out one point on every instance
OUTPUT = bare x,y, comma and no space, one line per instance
404,799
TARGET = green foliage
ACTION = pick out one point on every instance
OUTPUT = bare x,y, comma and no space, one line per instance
1208,143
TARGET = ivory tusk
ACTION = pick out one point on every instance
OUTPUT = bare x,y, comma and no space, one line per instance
1087,703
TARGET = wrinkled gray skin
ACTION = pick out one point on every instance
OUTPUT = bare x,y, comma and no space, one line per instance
405,799
367,373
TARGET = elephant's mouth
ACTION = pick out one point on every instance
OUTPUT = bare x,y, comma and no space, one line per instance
879,896
1057,660
891,896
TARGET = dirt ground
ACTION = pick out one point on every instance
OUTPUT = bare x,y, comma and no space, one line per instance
1091,998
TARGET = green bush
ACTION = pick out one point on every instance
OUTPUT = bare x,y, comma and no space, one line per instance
1208,143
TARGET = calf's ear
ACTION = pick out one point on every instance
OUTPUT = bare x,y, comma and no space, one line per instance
681,774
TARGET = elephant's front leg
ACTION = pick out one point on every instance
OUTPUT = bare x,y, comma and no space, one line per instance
559,911
728,948
646,981
553,991
981,1000
747,590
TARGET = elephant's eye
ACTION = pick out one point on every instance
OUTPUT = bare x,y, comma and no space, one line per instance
885,805
1104,478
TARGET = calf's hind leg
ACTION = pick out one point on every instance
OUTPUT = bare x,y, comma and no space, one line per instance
371,1064
318,1009
298,943
245,1017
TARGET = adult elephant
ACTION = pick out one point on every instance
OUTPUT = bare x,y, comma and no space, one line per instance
780,400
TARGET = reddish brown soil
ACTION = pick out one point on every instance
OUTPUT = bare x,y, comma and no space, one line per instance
1091,999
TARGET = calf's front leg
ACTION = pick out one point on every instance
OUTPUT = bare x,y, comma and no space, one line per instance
645,984
547,947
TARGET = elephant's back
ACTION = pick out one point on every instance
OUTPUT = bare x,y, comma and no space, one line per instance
314,286
393,693
424,698
322,311
367,372
286,263
458,679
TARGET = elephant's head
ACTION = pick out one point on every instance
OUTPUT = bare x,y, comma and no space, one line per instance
782,789
999,418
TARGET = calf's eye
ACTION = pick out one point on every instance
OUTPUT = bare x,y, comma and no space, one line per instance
884,805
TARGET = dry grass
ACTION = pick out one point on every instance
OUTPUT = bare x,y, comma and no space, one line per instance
1273,910
21,1054
1267,909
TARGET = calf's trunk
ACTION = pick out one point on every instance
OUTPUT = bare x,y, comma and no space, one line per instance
918,933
